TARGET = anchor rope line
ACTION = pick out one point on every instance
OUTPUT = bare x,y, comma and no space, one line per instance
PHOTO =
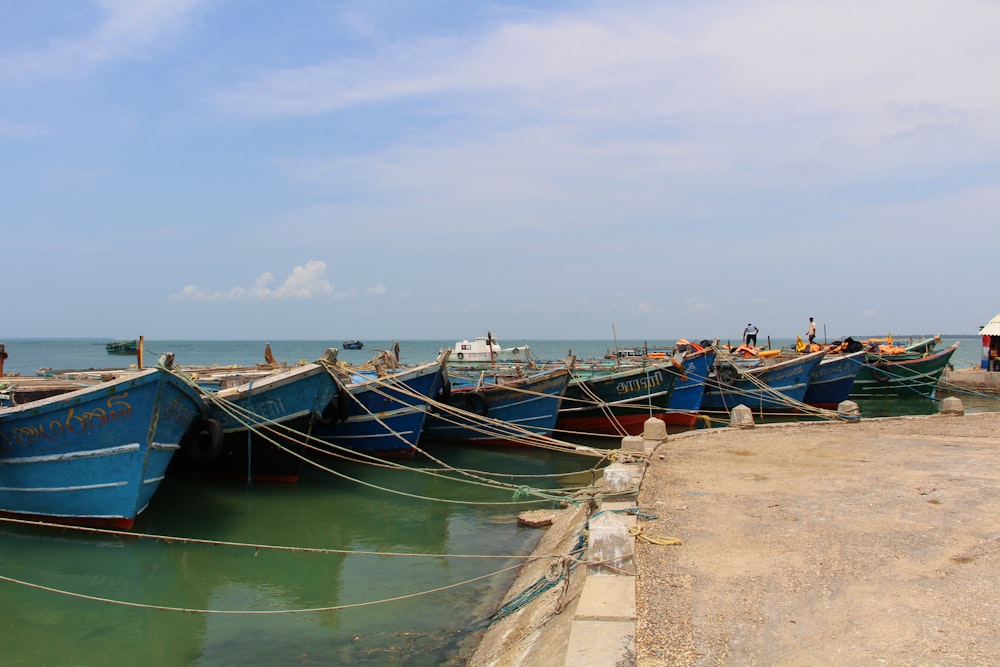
254,612
911,381
957,389
257,547
424,399
262,427
764,389
587,390
471,474
507,430
487,426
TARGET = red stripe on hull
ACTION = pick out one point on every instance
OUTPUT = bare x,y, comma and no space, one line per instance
115,523
633,425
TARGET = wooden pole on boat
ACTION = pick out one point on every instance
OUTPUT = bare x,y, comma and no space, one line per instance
614,336
3,355
138,353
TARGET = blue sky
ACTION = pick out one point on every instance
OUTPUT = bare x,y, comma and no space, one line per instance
402,170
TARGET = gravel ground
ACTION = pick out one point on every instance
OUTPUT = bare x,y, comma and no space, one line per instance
875,543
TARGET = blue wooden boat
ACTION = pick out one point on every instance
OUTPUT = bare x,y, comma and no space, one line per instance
380,413
832,380
353,345
689,390
498,409
762,387
255,430
615,400
94,456
904,376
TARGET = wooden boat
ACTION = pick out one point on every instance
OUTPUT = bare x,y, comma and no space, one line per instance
886,375
353,345
636,353
381,411
686,398
486,351
762,387
610,400
252,430
500,409
129,347
878,349
832,380
94,456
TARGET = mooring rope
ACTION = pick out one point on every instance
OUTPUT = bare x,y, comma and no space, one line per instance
252,612
261,427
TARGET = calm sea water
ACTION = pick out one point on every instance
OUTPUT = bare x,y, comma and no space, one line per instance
361,510
28,356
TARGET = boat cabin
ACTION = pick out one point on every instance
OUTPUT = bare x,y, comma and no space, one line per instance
991,344
486,350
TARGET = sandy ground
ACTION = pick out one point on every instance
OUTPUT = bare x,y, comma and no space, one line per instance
875,543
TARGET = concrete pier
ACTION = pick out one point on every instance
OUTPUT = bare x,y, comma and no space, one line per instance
862,543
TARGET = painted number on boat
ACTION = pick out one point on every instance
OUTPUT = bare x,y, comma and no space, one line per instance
640,384
72,423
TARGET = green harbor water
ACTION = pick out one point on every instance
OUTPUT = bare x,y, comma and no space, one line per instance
212,604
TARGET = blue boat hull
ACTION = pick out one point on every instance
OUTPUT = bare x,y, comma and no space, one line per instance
832,380
617,401
785,383
689,390
260,424
381,416
514,411
95,456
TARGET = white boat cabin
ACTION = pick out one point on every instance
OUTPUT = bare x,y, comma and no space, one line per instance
485,350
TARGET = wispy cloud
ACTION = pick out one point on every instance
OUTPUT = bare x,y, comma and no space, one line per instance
304,282
123,30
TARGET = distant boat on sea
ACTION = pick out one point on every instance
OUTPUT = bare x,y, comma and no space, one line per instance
130,347
485,350
353,345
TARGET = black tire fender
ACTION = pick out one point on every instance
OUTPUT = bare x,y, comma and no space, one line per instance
204,440
477,403
445,392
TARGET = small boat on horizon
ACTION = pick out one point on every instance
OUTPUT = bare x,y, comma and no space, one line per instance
485,350
353,345
128,347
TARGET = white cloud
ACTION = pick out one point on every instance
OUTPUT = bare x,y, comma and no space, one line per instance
304,282
126,30
376,289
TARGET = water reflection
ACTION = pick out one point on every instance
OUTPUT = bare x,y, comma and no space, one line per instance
320,512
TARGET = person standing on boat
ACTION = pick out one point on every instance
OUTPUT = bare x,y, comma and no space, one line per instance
750,335
812,331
